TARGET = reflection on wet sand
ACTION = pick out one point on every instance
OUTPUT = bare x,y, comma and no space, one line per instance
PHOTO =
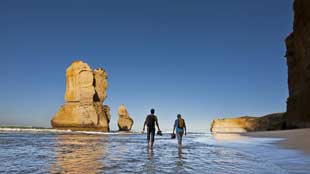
79,154
150,164
150,153
180,152
229,137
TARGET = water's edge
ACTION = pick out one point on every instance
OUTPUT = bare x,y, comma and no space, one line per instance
65,151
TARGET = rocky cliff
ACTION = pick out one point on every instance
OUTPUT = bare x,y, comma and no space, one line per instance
298,102
298,61
85,92
247,124
124,122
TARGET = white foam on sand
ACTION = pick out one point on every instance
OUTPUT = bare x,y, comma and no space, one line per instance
234,139
47,130
263,148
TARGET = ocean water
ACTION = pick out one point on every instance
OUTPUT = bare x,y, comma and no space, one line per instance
53,151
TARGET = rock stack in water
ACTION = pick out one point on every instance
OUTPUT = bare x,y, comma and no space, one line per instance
85,93
124,122
298,62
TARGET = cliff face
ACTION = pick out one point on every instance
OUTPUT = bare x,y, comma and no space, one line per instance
248,124
298,102
298,61
85,92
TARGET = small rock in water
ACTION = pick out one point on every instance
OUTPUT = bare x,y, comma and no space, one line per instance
124,122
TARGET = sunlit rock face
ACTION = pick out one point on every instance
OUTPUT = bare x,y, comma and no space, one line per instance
124,122
248,124
298,61
79,83
101,84
85,92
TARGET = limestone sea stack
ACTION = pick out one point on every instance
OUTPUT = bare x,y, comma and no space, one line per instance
85,93
298,62
124,122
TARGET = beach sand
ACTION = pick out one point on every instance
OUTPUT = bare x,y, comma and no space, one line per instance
298,139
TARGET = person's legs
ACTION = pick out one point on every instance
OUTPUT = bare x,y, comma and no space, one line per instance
152,136
148,135
179,136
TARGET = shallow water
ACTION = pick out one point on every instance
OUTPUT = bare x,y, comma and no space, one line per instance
49,151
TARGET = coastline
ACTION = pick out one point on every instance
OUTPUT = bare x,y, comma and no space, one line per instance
297,139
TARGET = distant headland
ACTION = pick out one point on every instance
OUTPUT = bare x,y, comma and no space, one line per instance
297,114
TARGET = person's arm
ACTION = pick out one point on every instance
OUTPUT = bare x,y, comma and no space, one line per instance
144,125
157,124
174,126
185,128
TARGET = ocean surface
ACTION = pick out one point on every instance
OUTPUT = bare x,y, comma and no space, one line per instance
53,151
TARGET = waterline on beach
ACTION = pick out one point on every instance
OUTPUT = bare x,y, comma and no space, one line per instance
74,152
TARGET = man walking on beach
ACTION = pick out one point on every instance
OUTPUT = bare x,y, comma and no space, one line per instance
150,123
180,127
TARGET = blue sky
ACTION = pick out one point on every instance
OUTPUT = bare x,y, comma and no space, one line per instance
203,59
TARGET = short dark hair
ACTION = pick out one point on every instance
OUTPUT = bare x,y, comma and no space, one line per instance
179,115
152,111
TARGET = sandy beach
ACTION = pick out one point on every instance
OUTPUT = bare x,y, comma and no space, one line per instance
294,139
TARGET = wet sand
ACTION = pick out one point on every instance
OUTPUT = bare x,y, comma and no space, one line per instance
298,139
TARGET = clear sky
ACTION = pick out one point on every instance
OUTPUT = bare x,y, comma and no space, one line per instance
203,59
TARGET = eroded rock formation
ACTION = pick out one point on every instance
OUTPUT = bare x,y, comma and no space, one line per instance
298,102
298,61
101,84
247,124
85,92
124,122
